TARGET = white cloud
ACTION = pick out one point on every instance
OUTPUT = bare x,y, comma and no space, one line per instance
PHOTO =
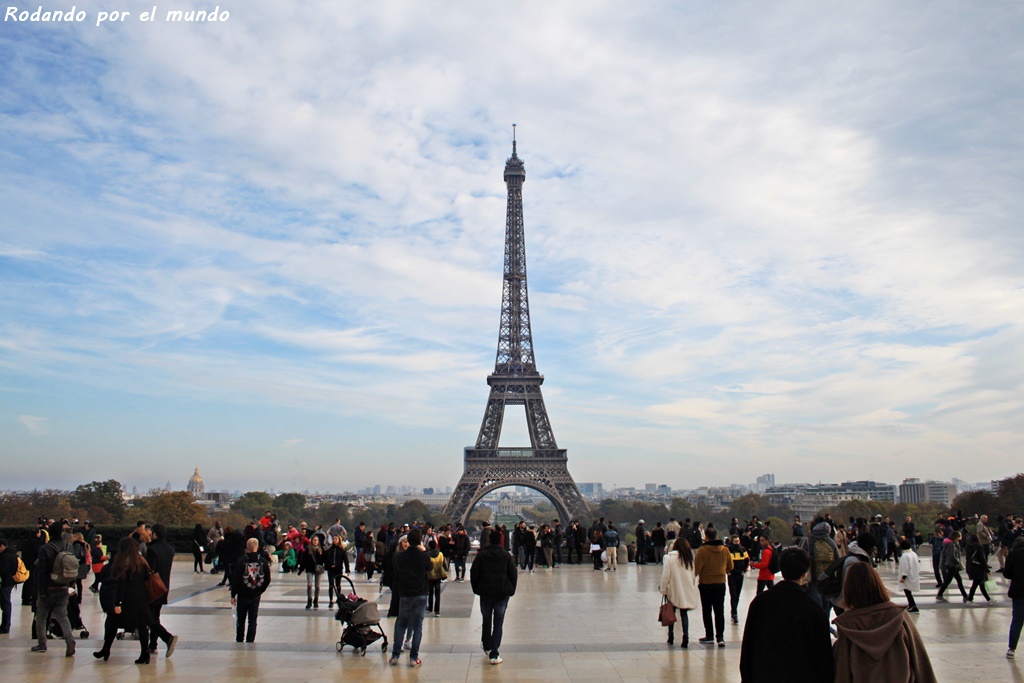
36,426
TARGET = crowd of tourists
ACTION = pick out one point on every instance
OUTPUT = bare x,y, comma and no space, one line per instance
826,566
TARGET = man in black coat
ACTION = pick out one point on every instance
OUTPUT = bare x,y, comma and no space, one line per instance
786,637
160,556
29,554
8,566
641,543
411,567
493,577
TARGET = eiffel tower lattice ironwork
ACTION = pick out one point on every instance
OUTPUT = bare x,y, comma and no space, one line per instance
516,382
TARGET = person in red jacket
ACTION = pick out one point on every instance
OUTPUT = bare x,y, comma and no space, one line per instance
765,576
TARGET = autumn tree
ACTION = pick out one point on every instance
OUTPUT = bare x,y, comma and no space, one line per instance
101,495
253,504
289,507
171,508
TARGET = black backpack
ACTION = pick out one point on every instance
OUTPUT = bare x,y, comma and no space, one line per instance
773,563
830,582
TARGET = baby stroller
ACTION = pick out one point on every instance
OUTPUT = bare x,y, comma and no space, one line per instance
362,623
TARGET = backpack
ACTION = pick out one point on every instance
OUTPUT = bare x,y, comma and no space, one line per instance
21,573
821,556
64,569
773,563
830,582
437,571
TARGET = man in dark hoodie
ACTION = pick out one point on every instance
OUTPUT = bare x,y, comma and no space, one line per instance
493,577
52,596
411,568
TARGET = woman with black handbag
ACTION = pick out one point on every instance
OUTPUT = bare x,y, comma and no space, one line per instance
130,608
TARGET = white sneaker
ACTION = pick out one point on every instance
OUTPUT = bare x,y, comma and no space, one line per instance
498,660
1009,654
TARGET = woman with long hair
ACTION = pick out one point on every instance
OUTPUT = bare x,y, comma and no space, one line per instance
313,564
877,639
679,585
950,562
130,608
977,569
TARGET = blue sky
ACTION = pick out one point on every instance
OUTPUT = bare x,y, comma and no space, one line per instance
761,237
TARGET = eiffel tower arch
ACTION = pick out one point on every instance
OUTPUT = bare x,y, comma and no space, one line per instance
515,382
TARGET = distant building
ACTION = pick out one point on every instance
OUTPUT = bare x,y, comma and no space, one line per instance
917,491
196,487
591,489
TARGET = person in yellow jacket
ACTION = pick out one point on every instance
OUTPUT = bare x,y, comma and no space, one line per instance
711,564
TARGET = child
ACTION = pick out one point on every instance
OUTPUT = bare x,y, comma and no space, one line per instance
910,574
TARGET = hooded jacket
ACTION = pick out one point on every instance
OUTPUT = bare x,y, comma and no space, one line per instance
493,573
712,562
880,643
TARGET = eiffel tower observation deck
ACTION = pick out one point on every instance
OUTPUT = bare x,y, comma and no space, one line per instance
515,382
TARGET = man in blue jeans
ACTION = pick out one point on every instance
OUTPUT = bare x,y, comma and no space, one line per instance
493,577
411,567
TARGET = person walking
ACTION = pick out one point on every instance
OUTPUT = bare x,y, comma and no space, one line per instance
460,551
951,565
52,595
435,576
411,568
910,574
711,565
679,586
160,557
1013,569
250,577
493,577
786,635
976,558
641,543
312,563
130,609
740,562
336,563
877,640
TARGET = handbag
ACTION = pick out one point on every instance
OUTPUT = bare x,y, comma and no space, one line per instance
667,612
155,588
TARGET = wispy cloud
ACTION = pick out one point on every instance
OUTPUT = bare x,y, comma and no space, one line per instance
36,426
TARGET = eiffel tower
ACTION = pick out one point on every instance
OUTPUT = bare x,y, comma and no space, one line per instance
516,382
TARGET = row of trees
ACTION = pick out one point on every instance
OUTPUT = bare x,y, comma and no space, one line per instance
103,502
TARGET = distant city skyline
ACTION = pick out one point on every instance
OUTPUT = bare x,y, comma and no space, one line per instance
760,236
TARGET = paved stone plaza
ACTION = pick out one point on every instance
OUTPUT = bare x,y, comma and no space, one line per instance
570,623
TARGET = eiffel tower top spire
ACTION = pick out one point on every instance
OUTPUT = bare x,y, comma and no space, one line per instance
515,341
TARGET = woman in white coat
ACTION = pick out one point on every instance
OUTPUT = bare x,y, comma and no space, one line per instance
679,585
910,574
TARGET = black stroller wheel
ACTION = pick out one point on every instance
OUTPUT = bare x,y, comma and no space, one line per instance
384,647
362,651
339,645
84,635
